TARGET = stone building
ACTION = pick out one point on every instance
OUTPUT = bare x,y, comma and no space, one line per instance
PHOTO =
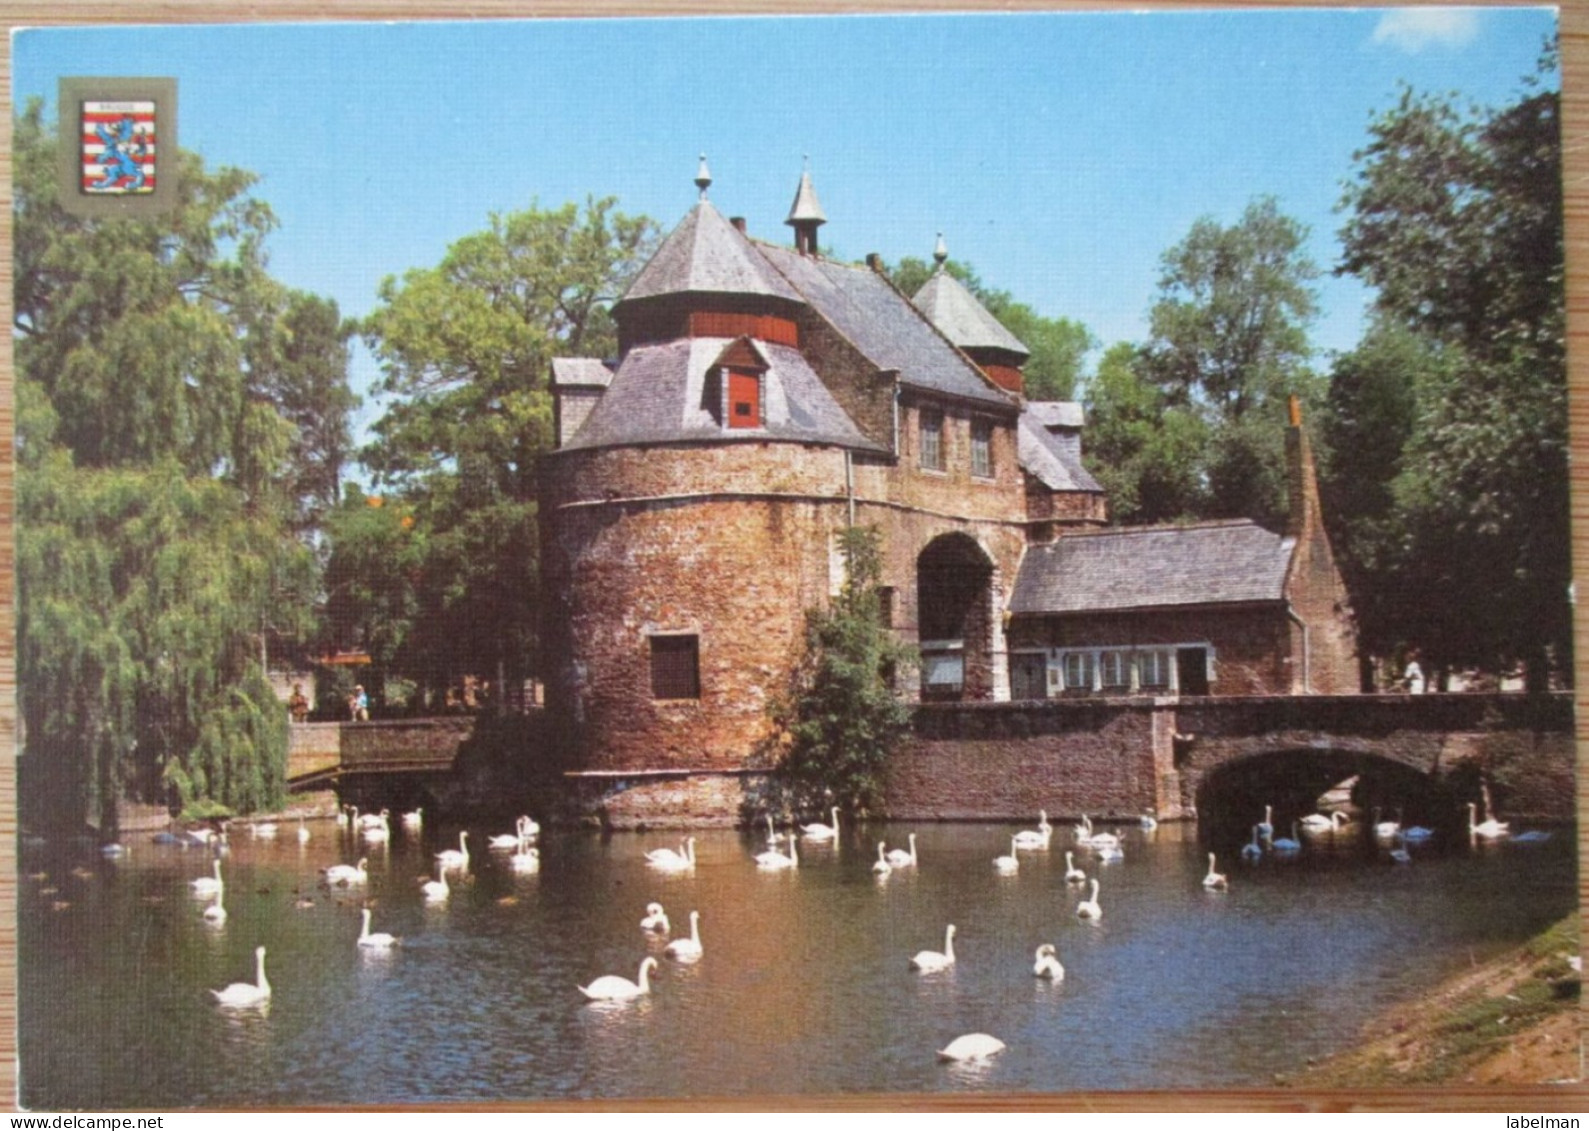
764,398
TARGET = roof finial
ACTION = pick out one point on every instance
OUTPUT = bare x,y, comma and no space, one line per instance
940,253
703,177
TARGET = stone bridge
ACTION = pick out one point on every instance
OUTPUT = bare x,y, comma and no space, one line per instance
1210,756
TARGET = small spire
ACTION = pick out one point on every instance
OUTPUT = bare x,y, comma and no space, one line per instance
805,214
940,253
703,177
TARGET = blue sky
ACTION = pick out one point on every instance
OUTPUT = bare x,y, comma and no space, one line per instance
1060,154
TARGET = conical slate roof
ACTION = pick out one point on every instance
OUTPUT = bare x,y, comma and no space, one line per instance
961,318
805,209
706,255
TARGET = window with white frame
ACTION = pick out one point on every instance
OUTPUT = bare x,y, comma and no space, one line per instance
1114,671
931,439
982,449
1078,671
1153,669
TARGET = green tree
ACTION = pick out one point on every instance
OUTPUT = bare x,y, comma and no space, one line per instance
155,552
1455,216
465,349
842,718
1058,346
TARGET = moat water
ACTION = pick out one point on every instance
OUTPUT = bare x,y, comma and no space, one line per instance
804,986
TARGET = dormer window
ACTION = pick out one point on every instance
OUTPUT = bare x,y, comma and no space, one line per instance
743,389
733,391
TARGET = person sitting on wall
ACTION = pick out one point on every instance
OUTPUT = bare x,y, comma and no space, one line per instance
298,704
1412,678
359,704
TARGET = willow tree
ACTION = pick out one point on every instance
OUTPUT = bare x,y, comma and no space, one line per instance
160,482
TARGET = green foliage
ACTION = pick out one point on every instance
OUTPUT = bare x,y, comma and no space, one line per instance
1058,345
842,719
160,483
465,349
1456,218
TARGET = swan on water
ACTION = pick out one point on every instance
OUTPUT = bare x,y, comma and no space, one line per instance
1088,908
1110,853
610,987
503,840
1073,874
1266,828
342,817
216,912
1104,840
208,885
1319,823
1083,830
1148,822
436,890
456,857
899,858
656,919
1215,881
414,819
671,861
1036,838
1287,846
380,831
347,873
775,859
303,832
379,940
1007,865
256,992
1491,829
529,827
526,859
687,950
772,833
1252,850
1047,964
374,820
1385,830
882,867
972,1046
930,960
821,831
266,831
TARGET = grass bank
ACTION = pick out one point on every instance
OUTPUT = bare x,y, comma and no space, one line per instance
1512,1020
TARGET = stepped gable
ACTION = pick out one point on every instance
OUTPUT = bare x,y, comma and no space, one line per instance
706,255
659,395
883,325
962,319
1154,567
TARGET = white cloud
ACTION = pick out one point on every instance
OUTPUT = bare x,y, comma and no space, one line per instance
1413,29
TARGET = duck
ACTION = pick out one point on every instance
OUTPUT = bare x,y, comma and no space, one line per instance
1073,874
1036,838
899,858
1265,827
241,994
821,831
929,960
378,940
1252,851
456,857
1287,846
772,858
1214,881
436,890
687,950
610,987
1089,908
972,1046
656,919
1491,829
671,861
347,873
1047,964
882,868
208,885
1007,865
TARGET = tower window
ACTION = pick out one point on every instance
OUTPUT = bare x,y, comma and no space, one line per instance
932,439
675,667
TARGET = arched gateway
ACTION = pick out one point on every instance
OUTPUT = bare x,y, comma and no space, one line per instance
956,618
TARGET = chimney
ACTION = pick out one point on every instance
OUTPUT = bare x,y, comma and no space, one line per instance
1302,485
875,262
739,224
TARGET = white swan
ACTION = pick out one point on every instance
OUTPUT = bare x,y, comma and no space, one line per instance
1104,840
670,861
347,873
1319,823
342,817
414,819
506,840
530,828
1214,881
972,1046
380,940
456,857
526,859
216,912
821,831
772,858
1007,865
374,820
656,919
1036,838
772,833
899,858
1490,829
1266,828
256,992
1083,830
882,867
436,890
1385,830
1088,908
1073,874
208,885
379,832
930,960
1109,853
1287,846
1148,822
687,950
303,832
1047,964
610,987
266,831
1252,850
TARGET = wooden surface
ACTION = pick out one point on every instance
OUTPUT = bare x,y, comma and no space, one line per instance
1575,126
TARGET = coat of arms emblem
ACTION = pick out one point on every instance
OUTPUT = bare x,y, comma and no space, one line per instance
118,146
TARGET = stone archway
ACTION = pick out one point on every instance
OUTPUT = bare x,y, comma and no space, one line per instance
955,619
